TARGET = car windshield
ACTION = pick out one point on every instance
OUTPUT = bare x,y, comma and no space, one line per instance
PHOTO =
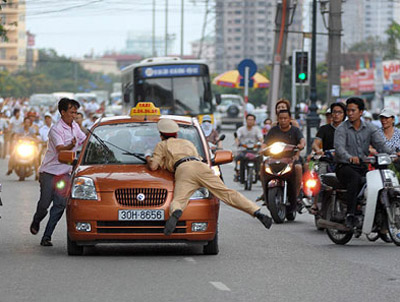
124,139
226,101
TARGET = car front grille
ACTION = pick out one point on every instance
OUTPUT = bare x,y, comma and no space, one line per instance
130,197
137,227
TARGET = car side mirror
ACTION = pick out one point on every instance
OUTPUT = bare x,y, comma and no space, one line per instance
222,157
218,98
67,157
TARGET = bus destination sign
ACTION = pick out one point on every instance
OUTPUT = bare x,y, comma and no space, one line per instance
170,71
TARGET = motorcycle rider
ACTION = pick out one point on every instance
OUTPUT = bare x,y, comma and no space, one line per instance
245,134
287,133
352,140
325,138
26,131
325,135
210,133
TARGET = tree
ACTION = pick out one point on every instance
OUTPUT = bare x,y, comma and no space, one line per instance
3,32
371,44
393,33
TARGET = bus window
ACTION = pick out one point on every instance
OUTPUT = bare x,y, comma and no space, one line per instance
189,95
158,91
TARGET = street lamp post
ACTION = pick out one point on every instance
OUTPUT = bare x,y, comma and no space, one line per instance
313,119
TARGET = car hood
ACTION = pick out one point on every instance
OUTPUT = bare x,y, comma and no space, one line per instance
111,177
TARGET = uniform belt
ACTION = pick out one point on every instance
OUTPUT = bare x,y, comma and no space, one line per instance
184,159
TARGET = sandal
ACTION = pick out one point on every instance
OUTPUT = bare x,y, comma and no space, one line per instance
314,210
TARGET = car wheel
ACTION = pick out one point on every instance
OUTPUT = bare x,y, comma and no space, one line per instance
211,248
73,249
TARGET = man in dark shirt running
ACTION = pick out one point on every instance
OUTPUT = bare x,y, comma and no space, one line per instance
286,133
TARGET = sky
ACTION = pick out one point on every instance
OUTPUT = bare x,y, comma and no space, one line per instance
78,27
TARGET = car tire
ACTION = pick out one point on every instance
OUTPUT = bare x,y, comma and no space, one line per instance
211,248
73,249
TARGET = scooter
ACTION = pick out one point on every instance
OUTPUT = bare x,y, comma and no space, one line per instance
277,169
26,153
378,204
312,190
214,147
249,165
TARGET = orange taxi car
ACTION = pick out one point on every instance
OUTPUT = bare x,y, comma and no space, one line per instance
115,198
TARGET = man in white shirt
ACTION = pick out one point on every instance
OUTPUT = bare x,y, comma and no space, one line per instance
44,130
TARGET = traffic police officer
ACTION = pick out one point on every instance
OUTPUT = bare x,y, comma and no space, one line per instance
180,156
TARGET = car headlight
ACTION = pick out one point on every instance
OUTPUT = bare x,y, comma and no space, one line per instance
25,150
277,147
201,193
83,188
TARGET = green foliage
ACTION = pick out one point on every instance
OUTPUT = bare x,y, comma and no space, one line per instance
393,33
374,45
3,32
53,73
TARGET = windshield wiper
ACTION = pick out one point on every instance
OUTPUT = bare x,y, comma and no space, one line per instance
102,143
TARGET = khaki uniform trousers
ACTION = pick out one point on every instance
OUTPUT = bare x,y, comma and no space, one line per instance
192,175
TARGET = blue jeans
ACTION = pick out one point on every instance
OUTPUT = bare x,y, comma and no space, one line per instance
53,188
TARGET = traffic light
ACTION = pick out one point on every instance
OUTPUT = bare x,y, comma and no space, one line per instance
301,67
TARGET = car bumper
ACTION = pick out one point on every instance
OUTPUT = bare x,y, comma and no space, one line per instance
105,227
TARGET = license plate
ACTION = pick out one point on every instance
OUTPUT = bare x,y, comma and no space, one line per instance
141,215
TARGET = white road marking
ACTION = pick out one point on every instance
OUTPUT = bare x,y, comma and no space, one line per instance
220,286
190,259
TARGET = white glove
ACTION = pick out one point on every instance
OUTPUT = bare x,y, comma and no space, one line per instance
148,153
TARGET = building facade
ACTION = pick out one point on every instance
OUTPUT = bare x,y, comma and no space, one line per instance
13,49
245,30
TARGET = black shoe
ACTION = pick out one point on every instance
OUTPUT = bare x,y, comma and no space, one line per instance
170,225
46,242
260,198
34,228
236,178
264,219
350,221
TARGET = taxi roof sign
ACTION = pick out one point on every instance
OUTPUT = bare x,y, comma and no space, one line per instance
145,108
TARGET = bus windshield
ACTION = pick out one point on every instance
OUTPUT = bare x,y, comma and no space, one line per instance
181,95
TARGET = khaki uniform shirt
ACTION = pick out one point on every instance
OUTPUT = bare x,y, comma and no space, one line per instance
168,152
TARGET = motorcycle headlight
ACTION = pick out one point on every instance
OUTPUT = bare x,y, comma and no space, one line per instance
201,193
287,170
277,147
384,159
268,170
83,188
25,150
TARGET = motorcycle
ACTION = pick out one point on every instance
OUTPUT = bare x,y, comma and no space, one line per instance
26,153
378,205
277,169
318,165
249,165
214,147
